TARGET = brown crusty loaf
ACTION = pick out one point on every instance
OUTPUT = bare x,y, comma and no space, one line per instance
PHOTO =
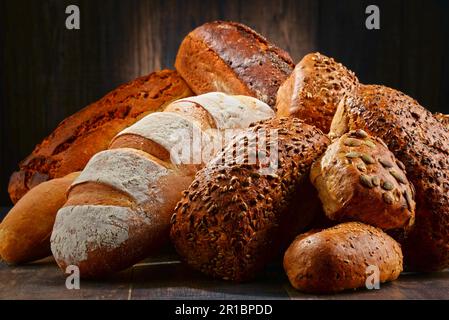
90,130
237,215
421,142
25,231
359,179
232,58
314,89
338,258
119,208
444,118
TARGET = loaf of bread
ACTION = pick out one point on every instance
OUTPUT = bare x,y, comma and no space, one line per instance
25,231
250,201
359,179
421,143
342,257
90,130
444,118
232,58
314,89
119,208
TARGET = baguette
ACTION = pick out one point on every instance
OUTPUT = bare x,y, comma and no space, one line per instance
232,58
338,258
70,146
25,231
236,216
119,208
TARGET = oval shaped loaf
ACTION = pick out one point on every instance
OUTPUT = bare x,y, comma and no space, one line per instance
314,89
232,58
421,143
118,210
359,179
341,257
238,214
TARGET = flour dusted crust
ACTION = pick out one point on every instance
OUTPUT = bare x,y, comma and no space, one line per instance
232,220
338,258
232,112
76,139
128,170
232,58
84,229
359,179
314,89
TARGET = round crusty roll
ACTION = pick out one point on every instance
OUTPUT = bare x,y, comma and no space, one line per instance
444,118
359,179
25,231
240,212
314,89
341,258
119,208
421,143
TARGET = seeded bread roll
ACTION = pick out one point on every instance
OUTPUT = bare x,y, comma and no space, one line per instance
80,136
25,231
232,58
444,118
239,213
359,179
118,210
421,142
338,258
314,89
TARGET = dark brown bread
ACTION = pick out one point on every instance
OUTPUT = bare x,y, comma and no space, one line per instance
421,143
314,89
79,137
359,179
233,220
338,258
232,58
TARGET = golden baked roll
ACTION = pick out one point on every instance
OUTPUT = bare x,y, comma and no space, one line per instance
341,257
359,179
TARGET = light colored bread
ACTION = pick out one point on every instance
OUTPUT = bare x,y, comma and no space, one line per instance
314,89
25,231
76,139
231,58
235,216
338,258
118,210
421,143
359,179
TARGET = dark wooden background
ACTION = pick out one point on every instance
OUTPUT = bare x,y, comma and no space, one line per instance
48,72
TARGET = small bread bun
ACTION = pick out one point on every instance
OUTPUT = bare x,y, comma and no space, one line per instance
359,179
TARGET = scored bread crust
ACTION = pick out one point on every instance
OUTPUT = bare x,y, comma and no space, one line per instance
314,89
338,258
233,220
76,139
232,58
359,179
421,143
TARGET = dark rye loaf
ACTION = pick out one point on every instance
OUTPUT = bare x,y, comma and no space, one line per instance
232,220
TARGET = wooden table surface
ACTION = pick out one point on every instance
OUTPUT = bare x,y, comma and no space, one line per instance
164,277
